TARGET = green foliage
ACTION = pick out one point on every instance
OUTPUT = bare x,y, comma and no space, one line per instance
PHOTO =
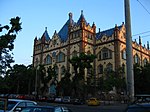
80,62
19,79
141,79
6,42
65,85
113,79
45,77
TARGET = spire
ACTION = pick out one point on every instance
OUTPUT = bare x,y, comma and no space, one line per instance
70,19
140,40
147,45
70,16
45,28
45,35
81,12
81,19
99,30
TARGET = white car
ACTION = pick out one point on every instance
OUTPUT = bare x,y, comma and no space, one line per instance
15,105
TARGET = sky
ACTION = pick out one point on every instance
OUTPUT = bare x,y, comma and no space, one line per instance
53,14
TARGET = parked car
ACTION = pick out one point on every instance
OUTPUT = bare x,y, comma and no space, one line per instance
67,99
45,109
78,101
93,102
143,107
15,104
58,99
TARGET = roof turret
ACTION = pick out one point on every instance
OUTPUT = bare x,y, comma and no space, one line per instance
63,33
45,34
82,18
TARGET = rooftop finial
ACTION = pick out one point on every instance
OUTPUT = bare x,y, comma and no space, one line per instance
82,12
70,15
45,28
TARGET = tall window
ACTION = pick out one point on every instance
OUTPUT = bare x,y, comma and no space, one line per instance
124,54
100,69
48,59
56,70
62,69
105,53
61,57
54,54
145,61
136,59
74,53
36,62
109,67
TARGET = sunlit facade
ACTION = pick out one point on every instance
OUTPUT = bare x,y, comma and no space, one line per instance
75,37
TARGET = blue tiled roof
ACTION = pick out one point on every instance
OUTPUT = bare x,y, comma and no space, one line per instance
63,33
108,32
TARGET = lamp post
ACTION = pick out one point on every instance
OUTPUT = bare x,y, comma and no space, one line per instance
37,68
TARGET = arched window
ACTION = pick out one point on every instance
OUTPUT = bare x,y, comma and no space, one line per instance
145,61
62,69
109,67
57,70
123,54
74,53
100,69
61,57
36,61
136,59
48,59
54,54
89,52
105,53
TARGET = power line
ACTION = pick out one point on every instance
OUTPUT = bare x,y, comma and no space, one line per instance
144,7
141,33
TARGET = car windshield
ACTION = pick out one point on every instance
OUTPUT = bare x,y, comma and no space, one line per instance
10,105
92,99
37,109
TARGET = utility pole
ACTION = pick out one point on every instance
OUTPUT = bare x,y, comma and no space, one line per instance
129,55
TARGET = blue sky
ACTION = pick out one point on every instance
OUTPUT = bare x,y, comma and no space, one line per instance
38,14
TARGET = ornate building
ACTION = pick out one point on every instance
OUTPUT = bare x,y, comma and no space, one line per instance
76,37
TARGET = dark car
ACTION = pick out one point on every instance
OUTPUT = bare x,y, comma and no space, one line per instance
45,109
78,101
143,107
141,104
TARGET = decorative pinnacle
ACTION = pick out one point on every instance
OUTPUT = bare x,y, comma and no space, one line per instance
82,12
45,28
70,15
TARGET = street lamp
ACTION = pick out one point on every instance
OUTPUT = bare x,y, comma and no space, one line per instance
37,68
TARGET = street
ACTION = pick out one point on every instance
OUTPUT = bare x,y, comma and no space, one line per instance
86,108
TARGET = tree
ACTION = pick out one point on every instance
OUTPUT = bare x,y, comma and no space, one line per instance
114,79
80,62
7,43
46,77
141,79
65,85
